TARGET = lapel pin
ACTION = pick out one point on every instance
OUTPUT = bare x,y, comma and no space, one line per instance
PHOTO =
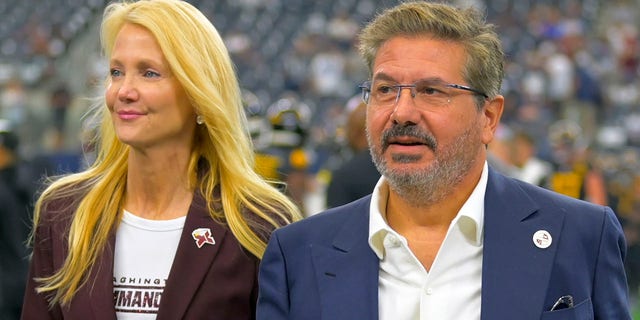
202,236
542,239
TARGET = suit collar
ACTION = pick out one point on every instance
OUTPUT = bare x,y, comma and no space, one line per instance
515,272
349,260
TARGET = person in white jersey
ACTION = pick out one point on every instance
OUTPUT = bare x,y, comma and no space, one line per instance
443,236
170,221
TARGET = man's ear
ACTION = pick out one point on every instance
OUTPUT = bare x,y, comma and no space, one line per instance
492,112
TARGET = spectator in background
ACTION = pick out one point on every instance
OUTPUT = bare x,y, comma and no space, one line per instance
60,101
528,166
500,151
14,109
171,209
59,155
15,199
358,175
13,101
573,172
289,158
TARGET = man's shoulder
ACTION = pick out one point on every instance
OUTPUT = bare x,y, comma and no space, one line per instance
544,195
551,202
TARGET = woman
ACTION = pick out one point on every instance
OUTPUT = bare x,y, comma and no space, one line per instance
170,221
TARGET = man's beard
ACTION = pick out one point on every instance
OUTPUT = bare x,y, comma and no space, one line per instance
430,184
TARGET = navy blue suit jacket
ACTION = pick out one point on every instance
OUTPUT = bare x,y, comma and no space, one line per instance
323,268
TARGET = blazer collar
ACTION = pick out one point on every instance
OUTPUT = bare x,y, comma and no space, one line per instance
101,291
191,262
515,271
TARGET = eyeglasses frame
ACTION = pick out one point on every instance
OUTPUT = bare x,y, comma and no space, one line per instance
366,90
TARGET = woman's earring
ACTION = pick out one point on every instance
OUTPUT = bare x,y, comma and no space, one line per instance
199,119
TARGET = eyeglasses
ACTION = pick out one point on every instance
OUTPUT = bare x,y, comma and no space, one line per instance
424,92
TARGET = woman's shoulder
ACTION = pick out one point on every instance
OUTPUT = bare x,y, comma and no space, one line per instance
56,211
264,222
59,204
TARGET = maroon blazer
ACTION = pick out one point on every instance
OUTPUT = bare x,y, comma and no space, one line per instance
212,282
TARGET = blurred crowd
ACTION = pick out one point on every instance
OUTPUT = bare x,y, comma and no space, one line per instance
572,88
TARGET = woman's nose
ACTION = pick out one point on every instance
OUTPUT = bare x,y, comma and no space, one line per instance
127,89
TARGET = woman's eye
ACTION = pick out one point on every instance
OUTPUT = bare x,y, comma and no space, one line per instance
151,74
115,72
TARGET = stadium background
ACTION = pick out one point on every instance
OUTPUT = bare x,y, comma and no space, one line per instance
568,62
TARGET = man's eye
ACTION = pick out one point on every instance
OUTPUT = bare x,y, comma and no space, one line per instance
385,89
115,72
428,90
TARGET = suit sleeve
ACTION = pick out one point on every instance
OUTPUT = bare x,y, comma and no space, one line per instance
610,296
273,298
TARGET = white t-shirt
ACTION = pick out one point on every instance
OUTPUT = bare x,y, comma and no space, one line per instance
143,257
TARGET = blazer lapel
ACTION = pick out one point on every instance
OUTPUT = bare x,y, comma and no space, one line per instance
347,272
191,262
100,292
515,272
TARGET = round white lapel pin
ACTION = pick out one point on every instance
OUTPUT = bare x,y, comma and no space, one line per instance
542,239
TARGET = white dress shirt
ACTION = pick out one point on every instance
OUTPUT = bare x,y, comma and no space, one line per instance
452,288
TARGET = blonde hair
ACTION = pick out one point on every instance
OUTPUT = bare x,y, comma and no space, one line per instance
199,59
483,69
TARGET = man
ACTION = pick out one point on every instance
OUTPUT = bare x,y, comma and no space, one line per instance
443,236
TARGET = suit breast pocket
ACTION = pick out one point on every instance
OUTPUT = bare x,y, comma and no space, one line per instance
581,311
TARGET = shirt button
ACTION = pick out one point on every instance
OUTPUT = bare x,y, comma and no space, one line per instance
429,291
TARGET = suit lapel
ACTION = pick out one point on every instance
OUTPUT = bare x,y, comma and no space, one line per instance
515,272
347,272
191,262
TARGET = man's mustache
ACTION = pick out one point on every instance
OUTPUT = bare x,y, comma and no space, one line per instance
408,131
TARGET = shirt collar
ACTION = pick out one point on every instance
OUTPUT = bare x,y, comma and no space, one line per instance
470,217
378,227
